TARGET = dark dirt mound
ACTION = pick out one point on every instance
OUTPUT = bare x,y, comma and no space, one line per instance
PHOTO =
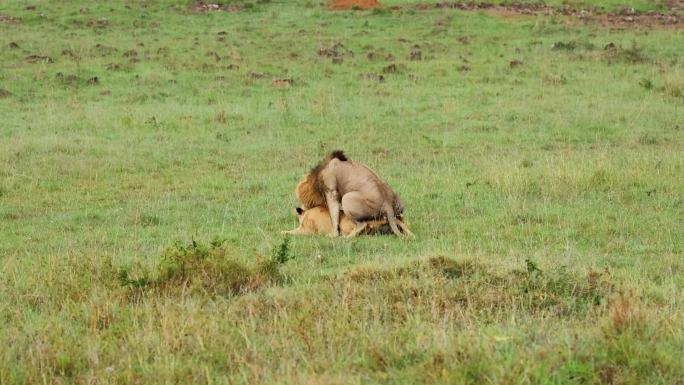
353,4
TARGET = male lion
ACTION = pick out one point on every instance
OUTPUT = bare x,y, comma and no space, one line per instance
316,220
340,184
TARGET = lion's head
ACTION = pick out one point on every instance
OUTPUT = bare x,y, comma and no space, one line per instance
310,190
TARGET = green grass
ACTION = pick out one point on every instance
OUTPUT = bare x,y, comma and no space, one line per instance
547,197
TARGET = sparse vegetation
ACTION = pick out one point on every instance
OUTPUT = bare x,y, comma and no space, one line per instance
540,157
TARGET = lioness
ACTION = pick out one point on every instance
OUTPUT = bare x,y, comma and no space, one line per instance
343,185
316,220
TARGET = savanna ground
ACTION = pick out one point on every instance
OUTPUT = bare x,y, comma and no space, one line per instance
149,152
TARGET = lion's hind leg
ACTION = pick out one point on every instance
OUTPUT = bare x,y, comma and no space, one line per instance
360,226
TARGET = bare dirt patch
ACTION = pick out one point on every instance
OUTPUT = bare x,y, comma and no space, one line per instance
416,53
258,75
103,50
390,69
98,23
625,18
70,53
628,17
9,19
39,59
201,6
372,76
336,52
282,82
675,5
337,5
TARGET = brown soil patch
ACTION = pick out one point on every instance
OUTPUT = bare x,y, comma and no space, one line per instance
625,18
353,4
4,94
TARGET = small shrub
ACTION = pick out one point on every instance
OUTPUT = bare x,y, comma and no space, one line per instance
646,83
564,46
211,270
270,268
281,253
205,268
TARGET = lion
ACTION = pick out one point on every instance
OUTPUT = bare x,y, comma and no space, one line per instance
342,185
316,220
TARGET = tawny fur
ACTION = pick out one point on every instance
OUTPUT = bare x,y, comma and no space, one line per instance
316,220
343,185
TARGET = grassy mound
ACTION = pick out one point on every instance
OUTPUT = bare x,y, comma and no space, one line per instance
207,269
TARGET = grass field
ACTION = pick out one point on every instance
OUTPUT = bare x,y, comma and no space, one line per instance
149,153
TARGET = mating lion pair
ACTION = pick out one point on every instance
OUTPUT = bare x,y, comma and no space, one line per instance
341,196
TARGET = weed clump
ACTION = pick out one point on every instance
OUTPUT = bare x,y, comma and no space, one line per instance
270,267
207,269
